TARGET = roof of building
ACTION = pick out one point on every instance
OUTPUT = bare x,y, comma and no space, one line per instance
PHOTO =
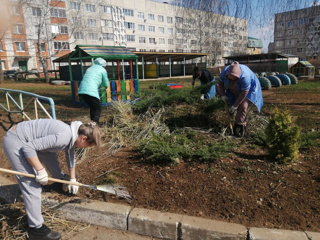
87,52
258,57
304,63
254,43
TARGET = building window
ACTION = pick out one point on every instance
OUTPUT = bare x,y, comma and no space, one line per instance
92,23
152,28
162,41
291,24
18,29
106,23
58,13
75,5
170,30
170,41
90,8
20,46
142,40
193,42
161,29
131,38
36,11
105,9
63,29
141,27
78,35
152,50
42,47
160,18
179,41
142,50
57,45
1,48
108,36
162,50
140,15
128,12
3,64
129,25
179,20
76,21
93,36
151,16
170,50
15,10
152,40
169,19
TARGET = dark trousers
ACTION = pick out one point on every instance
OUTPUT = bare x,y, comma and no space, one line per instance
94,105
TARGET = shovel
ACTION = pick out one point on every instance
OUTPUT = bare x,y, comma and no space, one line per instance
229,117
118,191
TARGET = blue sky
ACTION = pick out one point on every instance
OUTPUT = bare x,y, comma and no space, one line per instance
261,17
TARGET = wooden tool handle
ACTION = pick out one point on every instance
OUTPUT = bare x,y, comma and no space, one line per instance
34,176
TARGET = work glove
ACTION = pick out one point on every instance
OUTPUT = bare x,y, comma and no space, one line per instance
73,188
202,97
232,110
42,176
225,98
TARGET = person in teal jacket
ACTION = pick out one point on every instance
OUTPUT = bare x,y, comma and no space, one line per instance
95,76
239,86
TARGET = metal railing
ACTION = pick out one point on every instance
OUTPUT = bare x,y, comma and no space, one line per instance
35,101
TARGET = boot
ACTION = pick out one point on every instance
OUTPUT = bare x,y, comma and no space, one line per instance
239,130
43,233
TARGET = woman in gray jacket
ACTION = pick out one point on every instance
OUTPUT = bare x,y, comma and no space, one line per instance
31,147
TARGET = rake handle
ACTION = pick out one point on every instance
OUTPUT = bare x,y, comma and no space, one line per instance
49,178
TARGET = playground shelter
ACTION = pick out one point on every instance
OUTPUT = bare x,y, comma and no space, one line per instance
121,66
303,68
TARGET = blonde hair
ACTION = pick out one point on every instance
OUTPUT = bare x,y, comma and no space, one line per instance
92,132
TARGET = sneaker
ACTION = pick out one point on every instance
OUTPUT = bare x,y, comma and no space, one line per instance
239,130
43,233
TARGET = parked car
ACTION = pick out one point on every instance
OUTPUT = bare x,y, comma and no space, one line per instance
9,73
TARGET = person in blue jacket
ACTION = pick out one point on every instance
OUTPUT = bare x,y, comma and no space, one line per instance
239,86
205,77
95,76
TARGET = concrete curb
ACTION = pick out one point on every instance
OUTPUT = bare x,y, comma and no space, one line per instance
154,223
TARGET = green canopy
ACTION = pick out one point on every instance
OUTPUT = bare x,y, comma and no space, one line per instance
83,52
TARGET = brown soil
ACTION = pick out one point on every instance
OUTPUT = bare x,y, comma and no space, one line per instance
245,187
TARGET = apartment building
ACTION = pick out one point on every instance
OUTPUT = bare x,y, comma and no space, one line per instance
49,29
298,33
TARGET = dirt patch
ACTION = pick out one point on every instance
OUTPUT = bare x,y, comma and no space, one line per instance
245,187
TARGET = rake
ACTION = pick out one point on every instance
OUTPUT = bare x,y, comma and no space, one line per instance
115,190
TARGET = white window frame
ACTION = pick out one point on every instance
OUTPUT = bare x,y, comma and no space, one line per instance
130,38
162,41
90,7
78,35
140,15
161,29
170,30
15,10
76,21
18,28
152,40
128,12
129,25
105,9
170,41
142,39
108,36
150,16
36,12
106,23
160,18
141,27
93,36
20,46
58,13
152,29
57,45
91,22
75,5
169,19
